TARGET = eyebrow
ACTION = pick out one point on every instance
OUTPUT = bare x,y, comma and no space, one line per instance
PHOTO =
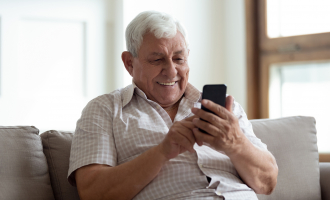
178,52
160,54
156,54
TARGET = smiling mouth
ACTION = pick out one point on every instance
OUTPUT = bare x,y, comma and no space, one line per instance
167,84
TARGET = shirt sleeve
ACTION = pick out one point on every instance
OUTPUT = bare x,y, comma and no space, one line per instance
93,141
246,126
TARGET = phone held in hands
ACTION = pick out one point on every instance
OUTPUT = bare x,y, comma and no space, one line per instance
215,93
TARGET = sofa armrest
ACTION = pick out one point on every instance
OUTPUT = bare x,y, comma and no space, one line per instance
325,180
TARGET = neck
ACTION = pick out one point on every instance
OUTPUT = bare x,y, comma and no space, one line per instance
172,110
172,107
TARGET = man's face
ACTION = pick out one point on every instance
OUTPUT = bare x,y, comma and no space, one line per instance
161,69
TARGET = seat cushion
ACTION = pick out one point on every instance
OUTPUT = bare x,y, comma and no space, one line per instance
23,165
292,141
57,146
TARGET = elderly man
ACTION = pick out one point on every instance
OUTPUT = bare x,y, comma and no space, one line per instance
143,141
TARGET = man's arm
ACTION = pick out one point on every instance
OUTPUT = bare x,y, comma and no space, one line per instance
127,180
256,167
122,181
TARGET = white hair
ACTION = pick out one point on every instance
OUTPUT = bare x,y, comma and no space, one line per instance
162,25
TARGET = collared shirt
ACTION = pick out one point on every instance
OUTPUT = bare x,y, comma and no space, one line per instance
116,128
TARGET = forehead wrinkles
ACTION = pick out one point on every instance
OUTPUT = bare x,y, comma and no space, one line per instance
172,48
151,45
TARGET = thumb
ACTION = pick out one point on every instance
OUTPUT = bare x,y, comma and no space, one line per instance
191,118
229,103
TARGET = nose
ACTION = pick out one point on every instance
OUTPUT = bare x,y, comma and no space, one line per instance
170,70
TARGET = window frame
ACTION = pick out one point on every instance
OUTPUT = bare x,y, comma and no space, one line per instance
263,51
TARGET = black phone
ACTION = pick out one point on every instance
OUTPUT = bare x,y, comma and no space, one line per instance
215,93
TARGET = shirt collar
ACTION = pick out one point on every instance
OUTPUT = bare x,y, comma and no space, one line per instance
191,93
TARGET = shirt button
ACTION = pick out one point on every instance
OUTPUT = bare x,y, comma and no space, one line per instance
200,165
218,193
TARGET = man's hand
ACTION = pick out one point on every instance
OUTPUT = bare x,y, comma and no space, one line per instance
256,167
179,139
224,131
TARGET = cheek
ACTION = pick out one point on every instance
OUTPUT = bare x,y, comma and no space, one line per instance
147,74
184,72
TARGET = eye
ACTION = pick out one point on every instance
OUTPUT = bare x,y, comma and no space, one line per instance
179,60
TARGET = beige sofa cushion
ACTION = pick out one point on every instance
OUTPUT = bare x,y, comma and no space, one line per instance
57,146
292,141
23,165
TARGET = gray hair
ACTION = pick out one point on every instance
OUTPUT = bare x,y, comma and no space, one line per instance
162,25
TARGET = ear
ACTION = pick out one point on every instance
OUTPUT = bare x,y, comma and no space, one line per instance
128,61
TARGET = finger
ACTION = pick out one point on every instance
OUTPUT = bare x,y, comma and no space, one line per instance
206,126
188,124
229,103
217,109
202,137
190,118
186,133
209,117
183,141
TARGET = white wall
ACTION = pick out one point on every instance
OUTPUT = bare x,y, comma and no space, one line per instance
234,49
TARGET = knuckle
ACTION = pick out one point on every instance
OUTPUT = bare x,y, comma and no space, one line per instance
227,127
213,118
219,109
208,126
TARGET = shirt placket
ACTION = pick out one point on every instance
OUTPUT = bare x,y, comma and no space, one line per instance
202,164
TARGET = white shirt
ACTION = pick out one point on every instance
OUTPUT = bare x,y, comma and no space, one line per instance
116,128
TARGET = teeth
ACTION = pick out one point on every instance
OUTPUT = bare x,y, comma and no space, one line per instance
171,83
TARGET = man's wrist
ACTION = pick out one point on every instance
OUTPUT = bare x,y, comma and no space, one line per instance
158,150
239,147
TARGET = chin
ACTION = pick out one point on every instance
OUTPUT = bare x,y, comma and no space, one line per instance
169,100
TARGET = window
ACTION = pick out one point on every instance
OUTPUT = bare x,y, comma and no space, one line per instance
302,89
47,72
289,62
297,17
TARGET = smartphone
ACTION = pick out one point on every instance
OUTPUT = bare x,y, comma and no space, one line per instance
215,93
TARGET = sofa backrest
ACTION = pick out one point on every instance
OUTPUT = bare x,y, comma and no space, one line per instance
23,165
57,146
292,141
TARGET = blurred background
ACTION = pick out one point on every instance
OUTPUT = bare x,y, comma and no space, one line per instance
56,55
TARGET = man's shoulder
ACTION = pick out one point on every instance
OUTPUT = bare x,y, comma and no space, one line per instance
107,100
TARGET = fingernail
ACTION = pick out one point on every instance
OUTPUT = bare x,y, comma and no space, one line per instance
197,105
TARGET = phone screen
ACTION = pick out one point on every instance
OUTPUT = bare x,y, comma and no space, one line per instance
215,93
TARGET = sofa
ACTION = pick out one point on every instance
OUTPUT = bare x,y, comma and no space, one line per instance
34,166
